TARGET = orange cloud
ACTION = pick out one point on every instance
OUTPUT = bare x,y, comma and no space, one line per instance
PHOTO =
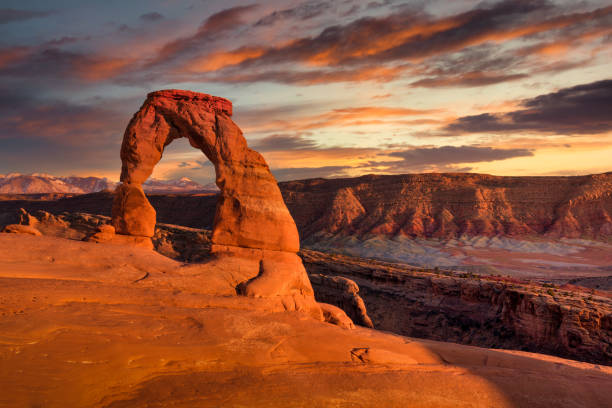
346,117
374,43
98,69
220,60
13,54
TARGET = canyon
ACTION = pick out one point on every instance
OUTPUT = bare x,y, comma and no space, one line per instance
565,320
208,299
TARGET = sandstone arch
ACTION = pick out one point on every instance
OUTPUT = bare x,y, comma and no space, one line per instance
250,211
251,220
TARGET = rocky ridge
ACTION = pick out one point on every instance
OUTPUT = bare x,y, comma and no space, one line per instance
452,204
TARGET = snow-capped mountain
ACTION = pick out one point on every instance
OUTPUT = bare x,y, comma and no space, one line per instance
182,185
15,183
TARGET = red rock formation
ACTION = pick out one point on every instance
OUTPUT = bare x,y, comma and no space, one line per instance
449,205
251,220
343,293
250,211
467,309
419,205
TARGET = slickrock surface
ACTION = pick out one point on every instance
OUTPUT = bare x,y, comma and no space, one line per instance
86,324
450,205
485,311
468,309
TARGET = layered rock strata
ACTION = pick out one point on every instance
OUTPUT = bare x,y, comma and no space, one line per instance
452,204
480,311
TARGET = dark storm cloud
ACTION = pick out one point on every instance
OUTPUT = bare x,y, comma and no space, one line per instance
582,109
152,16
11,15
304,11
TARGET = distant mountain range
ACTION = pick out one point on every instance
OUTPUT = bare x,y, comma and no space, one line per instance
37,183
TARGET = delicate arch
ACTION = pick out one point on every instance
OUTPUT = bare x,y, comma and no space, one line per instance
250,210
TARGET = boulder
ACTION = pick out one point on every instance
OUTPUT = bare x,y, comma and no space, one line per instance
132,212
21,229
334,315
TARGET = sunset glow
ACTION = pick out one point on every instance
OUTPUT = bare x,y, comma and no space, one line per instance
320,88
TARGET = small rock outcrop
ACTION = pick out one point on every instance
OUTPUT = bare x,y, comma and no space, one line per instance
343,293
21,229
251,220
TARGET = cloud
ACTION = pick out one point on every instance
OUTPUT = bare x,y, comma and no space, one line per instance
412,159
285,148
151,17
468,79
341,117
443,155
280,142
301,173
382,48
212,27
57,63
8,15
58,121
304,11
582,109
11,55
310,77
443,158
413,36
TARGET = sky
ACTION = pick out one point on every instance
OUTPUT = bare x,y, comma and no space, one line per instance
323,88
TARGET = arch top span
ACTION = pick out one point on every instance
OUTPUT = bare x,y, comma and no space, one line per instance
214,103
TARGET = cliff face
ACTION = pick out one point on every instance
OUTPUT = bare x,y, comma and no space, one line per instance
470,310
449,205
414,205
